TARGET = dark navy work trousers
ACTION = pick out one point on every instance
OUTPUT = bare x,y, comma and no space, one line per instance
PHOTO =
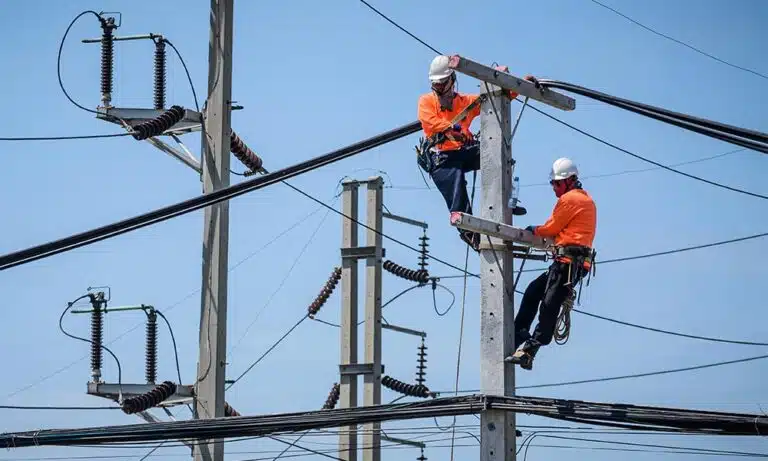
449,176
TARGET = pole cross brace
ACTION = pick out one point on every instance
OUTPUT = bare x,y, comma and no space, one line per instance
361,252
184,393
510,82
502,231
355,369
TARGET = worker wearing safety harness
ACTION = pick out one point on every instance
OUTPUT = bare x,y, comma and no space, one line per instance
448,149
572,226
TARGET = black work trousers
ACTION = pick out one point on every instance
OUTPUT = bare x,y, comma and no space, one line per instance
449,176
545,295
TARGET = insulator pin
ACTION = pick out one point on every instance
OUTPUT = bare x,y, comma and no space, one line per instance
421,276
229,411
333,397
107,60
151,399
157,126
243,153
414,390
325,293
159,88
151,352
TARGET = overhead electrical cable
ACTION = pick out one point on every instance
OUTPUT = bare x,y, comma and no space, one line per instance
680,42
624,415
178,209
64,138
673,333
630,376
712,183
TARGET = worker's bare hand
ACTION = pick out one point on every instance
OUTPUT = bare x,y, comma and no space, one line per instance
502,68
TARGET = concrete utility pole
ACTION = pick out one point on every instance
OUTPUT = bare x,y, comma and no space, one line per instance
349,368
497,337
348,335
215,166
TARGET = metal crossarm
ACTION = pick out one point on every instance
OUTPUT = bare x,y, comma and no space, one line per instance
500,230
510,82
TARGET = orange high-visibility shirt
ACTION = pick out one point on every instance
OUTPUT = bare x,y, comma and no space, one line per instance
573,220
433,120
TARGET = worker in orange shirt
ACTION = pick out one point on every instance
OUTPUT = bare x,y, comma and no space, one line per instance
449,150
572,226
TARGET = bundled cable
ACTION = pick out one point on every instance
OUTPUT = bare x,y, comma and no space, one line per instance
151,399
421,275
325,293
735,135
333,397
413,390
158,125
243,153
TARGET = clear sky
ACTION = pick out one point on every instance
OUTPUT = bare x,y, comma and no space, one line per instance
314,76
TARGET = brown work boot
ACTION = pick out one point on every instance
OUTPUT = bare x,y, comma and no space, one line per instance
524,355
471,238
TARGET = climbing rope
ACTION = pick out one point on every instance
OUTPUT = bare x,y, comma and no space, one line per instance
563,328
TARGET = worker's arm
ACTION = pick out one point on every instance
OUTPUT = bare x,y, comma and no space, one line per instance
430,121
563,213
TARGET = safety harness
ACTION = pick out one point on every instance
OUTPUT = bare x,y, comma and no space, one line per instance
428,160
577,257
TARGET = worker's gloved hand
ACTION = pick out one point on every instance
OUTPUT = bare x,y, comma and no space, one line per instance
456,127
533,80
531,229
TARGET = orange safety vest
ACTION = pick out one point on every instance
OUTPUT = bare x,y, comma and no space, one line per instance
435,120
573,221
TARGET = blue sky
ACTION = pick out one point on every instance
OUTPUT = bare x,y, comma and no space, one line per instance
314,76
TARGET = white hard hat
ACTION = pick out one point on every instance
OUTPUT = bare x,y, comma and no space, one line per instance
563,168
439,69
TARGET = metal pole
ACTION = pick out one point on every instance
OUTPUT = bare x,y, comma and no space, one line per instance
215,163
373,272
348,382
497,427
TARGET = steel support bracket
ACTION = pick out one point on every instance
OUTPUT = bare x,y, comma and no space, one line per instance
358,369
113,391
407,331
361,252
192,120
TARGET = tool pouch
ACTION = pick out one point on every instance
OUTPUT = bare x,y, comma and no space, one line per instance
424,156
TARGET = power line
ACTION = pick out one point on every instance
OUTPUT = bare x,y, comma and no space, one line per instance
53,407
399,27
712,183
680,42
612,174
647,160
62,138
673,333
187,206
631,376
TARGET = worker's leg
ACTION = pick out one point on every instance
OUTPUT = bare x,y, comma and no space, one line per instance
529,307
450,181
556,292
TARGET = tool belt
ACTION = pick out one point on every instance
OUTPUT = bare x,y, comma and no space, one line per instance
579,258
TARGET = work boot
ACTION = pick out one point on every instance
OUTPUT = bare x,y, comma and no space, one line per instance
470,238
524,355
